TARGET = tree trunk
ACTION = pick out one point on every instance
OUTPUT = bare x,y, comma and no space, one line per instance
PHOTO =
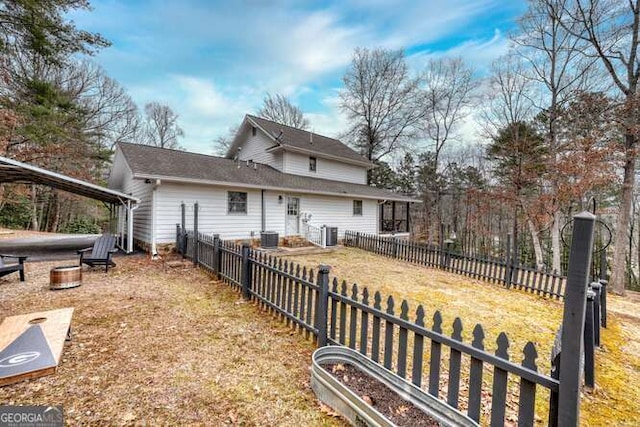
537,248
34,209
622,222
55,216
555,243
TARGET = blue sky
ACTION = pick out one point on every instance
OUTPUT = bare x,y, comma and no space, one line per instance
213,61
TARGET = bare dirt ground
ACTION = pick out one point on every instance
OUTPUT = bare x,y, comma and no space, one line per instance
522,316
158,345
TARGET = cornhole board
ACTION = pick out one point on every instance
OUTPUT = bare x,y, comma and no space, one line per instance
31,344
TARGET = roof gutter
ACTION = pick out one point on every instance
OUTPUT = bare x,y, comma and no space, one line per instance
67,179
273,188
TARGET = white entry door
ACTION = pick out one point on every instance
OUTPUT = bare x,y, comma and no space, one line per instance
293,216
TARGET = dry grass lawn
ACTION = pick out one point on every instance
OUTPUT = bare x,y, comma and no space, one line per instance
165,346
156,345
524,317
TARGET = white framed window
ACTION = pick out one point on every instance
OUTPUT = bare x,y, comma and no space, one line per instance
236,202
357,207
313,164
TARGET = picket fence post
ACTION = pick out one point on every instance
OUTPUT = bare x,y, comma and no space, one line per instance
195,234
603,302
216,254
589,342
178,238
183,225
322,305
246,272
573,322
597,312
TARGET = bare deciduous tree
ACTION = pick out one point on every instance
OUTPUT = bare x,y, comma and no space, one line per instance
507,97
612,30
509,110
380,100
162,129
280,109
222,143
555,61
110,115
446,97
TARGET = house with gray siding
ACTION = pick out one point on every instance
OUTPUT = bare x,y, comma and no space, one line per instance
273,178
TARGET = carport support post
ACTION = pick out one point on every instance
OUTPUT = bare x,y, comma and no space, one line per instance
246,272
129,227
322,305
575,304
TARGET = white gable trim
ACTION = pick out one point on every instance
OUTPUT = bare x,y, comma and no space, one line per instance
231,152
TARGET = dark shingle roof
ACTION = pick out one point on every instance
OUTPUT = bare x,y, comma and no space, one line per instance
152,162
308,141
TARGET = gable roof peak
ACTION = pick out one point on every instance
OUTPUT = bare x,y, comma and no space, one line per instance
294,139
284,128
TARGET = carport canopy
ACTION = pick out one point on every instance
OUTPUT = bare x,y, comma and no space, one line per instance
12,171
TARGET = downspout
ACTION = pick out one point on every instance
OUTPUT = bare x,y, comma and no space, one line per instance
264,217
130,210
154,248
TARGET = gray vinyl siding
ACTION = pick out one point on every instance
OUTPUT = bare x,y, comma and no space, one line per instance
338,212
142,215
275,209
212,212
254,148
298,164
213,216
121,179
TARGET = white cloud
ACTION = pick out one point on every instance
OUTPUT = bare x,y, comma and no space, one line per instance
331,121
479,53
212,62
205,112
201,96
319,44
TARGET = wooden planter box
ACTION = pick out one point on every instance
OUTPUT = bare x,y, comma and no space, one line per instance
335,394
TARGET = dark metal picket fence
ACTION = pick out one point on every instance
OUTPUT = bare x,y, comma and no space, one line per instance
333,314
401,345
490,269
